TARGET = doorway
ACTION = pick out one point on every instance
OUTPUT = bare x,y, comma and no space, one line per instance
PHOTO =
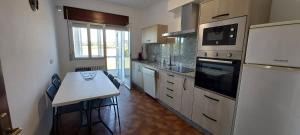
118,53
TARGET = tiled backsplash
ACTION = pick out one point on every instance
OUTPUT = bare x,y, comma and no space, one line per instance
183,51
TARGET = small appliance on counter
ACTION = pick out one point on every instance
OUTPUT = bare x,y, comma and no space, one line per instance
140,55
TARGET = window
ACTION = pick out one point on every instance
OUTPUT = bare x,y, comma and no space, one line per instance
87,40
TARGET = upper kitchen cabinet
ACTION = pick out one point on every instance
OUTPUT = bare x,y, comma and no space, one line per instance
173,4
153,34
215,10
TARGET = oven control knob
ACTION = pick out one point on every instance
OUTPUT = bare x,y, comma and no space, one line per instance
232,29
217,54
231,36
229,55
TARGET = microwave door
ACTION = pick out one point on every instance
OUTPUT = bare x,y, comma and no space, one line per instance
223,35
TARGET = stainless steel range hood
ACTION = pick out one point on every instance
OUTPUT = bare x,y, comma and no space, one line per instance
189,21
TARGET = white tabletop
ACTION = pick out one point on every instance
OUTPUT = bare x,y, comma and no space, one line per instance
75,88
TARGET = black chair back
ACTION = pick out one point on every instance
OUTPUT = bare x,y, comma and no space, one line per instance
81,69
105,72
116,83
56,76
51,92
56,83
111,77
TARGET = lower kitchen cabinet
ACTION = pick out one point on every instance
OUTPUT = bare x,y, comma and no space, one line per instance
137,74
187,97
209,110
213,112
170,89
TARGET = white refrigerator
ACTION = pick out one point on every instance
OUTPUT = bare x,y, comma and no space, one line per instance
269,94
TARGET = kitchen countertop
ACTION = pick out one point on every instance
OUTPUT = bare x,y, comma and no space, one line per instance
163,67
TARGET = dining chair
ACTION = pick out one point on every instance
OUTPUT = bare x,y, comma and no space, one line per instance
81,69
116,83
56,83
55,76
58,111
105,72
108,102
111,77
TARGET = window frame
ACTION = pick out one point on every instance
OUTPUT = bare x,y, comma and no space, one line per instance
71,41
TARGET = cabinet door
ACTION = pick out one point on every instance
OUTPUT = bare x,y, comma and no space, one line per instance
161,84
140,75
198,106
134,73
232,8
149,34
213,112
207,11
173,4
215,10
152,34
144,35
187,97
178,87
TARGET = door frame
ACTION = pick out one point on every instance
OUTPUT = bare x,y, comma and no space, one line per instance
4,108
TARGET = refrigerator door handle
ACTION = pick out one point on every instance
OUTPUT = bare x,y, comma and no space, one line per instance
279,60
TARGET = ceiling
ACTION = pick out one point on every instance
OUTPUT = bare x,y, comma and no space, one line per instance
134,3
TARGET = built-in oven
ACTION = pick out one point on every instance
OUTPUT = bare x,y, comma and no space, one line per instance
218,75
223,35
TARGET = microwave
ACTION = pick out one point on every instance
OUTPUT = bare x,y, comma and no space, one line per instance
223,35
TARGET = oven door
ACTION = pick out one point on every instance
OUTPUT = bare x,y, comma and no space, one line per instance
217,75
223,35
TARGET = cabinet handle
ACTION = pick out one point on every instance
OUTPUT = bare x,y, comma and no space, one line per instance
209,117
277,60
217,100
170,82
170,89
183,85
221,15
169,96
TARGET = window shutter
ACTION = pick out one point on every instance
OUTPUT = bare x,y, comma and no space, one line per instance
78,14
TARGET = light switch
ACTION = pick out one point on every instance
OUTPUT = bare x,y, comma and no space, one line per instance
51,61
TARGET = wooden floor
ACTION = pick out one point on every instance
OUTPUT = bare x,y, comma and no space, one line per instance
139,114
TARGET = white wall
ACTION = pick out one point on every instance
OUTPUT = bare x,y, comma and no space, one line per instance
283,10
158,14
28,43
97,5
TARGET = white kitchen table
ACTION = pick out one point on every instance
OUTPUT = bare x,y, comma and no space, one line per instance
75,89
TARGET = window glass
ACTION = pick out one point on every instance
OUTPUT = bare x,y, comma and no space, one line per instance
97,44
80,42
